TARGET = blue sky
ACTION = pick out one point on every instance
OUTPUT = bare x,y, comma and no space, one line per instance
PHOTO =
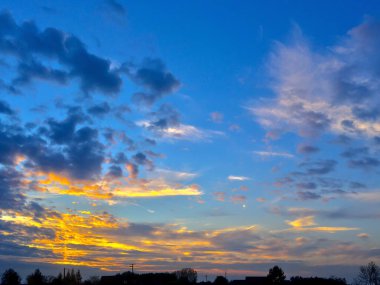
229,136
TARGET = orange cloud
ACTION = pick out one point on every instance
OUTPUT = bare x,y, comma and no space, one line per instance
109,189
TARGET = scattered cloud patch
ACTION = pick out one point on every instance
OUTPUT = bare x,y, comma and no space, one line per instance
26,42
273,154
363,236
237,178
307,149
332,91
217,117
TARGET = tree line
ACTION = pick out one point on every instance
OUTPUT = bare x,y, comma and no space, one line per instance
368,275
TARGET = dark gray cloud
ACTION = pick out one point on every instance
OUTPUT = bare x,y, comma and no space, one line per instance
166,116
376,140
319,167
39,109
371,114
141,159
61,132
365,163
26,42
153,76
120,158
144,99
10,193
357,185
115,7
85,154
355,152
307,185
343,140
57,146
328,182
307,149
115,171
5,108
99,110
362,57
28,71
307,195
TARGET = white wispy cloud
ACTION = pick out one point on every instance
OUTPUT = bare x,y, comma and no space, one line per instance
335,90
237,178
182,132
273,153
168,174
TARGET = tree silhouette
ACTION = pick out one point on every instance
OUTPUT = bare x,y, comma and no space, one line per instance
72,277
36,278
221,280
10,277
187,275
276,275
368,275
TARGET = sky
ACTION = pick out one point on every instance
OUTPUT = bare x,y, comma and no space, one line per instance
226,136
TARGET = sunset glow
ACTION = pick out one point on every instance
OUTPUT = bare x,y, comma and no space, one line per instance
225,137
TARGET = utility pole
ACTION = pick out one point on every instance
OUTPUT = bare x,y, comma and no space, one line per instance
206,277
131,266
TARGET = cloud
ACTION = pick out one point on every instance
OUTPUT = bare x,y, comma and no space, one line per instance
302,222
238,199
175,175
154,192
115,171
61,132
319,167
237,178
178,131
141,159
307,195
307,149
165,123
185,132
99,110
355,152
113,187
307,185
371,197
11,194
326,91
363,236
86,238
219,196
308,224
365,163
115,7
345,213
153,76
26,42
273,154
27,72
357,185
57,146
5,108
216,117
